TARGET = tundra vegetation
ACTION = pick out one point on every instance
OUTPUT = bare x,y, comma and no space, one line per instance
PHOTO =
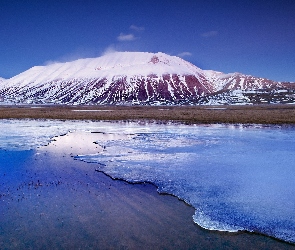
246,114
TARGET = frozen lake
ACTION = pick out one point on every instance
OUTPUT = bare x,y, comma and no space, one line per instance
236,177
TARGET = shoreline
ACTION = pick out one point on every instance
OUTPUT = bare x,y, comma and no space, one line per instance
189,205
74,206
144,183
227,114
239,232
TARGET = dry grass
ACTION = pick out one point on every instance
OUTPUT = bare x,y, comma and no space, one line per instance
260,114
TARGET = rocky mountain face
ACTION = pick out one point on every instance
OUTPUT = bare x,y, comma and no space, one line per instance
139,78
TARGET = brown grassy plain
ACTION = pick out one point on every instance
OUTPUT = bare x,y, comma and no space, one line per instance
256,114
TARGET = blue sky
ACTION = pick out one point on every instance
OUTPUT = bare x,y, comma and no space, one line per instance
251,37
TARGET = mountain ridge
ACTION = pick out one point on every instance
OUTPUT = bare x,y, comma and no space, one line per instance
134,78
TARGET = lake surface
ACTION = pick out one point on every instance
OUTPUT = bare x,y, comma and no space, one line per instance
236,177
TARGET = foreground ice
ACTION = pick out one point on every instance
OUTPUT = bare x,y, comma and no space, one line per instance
237,177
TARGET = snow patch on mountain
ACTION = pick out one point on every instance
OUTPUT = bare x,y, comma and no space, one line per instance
114,64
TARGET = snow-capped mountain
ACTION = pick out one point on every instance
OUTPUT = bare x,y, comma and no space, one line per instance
129,78
234,81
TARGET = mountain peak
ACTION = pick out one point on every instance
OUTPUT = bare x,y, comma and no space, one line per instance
129,78
116,63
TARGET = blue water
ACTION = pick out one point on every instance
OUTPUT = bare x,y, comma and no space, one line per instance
236,177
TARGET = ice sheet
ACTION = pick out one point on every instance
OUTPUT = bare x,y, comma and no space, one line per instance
237,177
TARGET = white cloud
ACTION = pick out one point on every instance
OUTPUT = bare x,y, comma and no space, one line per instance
210,33
49,62
78,53
110,49
126,37
136,28
184,54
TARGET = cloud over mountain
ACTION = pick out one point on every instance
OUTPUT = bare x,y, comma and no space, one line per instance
184,54
136,28
126,37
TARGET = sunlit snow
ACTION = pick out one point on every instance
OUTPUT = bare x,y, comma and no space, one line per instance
115,64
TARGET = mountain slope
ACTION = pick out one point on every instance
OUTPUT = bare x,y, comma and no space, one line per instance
132,78
115,78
